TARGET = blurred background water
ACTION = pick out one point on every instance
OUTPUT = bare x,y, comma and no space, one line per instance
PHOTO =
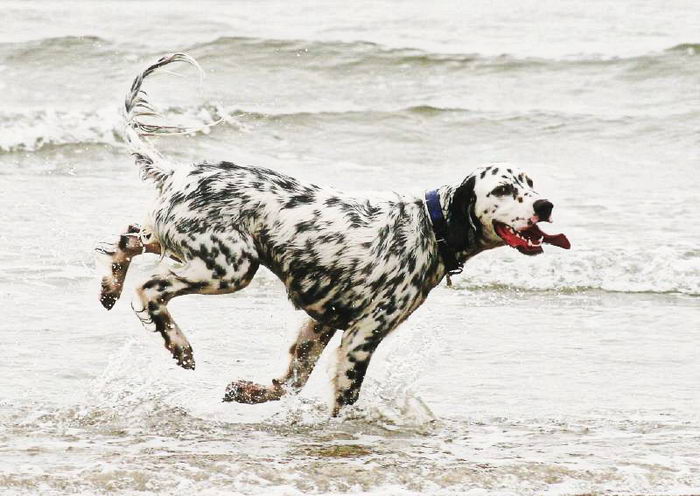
569,373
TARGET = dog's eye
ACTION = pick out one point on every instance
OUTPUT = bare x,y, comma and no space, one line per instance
502,190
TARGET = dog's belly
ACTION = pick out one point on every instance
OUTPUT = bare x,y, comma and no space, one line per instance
343,299
336,308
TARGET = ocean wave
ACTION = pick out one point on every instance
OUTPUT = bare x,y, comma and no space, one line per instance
68,40
42,129
663,270
52,49
331,54
687,48
323,54
347,54
33,131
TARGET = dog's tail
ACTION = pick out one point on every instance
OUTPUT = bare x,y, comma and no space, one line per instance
152,164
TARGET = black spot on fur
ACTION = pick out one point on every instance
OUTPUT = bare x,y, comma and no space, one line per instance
300,199
160,284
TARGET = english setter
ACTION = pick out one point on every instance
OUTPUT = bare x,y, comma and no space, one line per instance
358,265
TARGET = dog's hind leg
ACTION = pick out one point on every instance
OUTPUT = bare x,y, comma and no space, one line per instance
304,353
117,258
215,267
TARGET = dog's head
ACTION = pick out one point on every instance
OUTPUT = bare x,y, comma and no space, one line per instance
498,205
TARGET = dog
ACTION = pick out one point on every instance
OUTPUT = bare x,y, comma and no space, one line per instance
361,266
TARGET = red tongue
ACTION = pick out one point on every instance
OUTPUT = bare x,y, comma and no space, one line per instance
559,240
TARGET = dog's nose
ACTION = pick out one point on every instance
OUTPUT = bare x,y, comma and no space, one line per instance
543,209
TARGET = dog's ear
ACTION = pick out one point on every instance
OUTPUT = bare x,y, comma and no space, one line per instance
463,227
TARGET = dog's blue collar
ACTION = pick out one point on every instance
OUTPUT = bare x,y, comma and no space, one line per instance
437,219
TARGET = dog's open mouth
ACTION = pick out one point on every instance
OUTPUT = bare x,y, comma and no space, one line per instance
529,241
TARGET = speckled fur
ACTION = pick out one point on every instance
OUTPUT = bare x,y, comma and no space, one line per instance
358,265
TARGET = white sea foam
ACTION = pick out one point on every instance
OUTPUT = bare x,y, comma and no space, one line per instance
28,133
657,270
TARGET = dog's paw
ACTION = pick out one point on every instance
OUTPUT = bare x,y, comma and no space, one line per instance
107,299
184,356
110,289
248,392
109,292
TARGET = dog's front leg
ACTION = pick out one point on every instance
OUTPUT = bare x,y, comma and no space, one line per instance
116,258
355,351
304,353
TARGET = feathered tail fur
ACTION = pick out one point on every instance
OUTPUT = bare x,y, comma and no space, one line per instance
152,164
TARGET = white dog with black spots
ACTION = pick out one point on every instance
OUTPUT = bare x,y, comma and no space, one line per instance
361,266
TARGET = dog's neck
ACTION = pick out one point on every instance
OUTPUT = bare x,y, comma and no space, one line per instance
477,244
